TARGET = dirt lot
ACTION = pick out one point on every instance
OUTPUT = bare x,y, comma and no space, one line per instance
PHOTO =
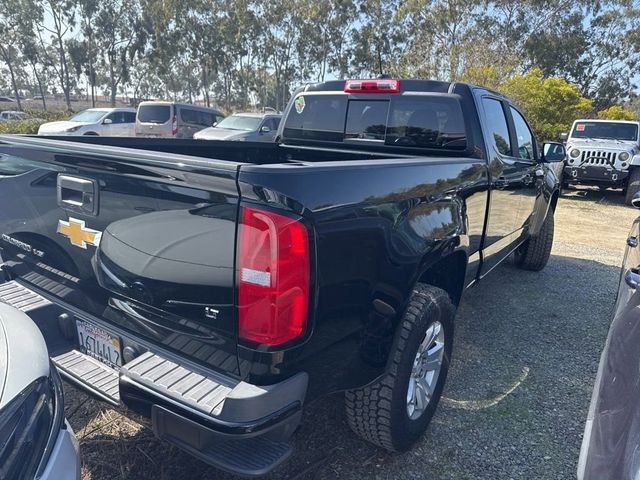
526,352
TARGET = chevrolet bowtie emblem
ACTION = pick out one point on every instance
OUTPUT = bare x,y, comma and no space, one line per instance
78,234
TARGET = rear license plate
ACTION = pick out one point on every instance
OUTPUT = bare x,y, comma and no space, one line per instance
99,344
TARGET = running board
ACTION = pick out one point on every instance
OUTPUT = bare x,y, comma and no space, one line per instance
20,297
205,394
89,374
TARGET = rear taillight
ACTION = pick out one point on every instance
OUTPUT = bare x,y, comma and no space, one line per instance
372,86
174,126
273,278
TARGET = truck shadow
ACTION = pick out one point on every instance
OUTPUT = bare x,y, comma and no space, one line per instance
553,323
594,194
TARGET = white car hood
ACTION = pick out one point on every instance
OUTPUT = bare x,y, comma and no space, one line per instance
587,143
23,353
218,133
57,127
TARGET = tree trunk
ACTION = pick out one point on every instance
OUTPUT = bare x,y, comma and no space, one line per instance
205,86
35,72
112,81
7,60
64,74
92,72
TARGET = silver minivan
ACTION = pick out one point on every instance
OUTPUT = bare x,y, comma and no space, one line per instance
169,119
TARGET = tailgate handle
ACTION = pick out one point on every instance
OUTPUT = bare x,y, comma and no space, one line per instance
78,194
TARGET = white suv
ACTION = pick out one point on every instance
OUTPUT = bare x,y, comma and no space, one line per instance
108,122
35,439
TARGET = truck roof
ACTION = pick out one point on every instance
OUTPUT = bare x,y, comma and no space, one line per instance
406,85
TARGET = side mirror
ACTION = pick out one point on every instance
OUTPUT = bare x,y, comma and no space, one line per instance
553,152
635,201
563,137
214,124
265,129
107,121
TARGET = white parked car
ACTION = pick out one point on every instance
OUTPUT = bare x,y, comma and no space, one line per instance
35,440
13,115
107,122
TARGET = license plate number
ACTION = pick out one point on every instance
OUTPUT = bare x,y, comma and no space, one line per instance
99,344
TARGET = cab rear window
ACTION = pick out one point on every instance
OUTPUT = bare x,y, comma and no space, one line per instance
418,121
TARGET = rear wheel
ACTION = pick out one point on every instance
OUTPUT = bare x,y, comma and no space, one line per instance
633,185
534,253
394,411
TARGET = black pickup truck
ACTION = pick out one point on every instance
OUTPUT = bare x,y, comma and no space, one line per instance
214,286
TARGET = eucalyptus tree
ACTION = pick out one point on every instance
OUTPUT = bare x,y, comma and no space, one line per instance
119,37
37,60
86,55
440,33
376,41
16,22
62,16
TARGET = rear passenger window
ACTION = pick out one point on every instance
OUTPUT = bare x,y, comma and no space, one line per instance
423,121
206,119
428,122
366,120
496,124
129,117
524,135
317,117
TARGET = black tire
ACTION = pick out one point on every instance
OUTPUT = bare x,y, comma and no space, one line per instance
534,253
633,185
378,412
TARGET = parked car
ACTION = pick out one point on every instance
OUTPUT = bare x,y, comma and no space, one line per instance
168,119
7,100
107,122
611,442
35,440
248,127
8,115
605,153
216,295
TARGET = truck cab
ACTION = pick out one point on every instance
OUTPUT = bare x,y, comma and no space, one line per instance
605,153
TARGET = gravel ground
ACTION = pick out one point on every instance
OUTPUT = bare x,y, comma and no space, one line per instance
526,352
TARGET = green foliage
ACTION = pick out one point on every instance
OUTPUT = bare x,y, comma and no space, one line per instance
551,104
31,125
20,126
616,112
486,76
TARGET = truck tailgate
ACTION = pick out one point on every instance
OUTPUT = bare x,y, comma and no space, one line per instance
132,249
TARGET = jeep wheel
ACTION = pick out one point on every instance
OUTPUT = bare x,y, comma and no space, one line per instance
633,185
394,411
534,253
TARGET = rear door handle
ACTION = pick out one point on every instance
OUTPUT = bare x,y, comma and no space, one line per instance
632,277
78,194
